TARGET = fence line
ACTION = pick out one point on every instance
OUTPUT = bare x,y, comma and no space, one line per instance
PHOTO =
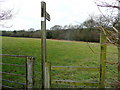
6,86
29,71
74,68
13,82
12,74
12,65
75,83
20,56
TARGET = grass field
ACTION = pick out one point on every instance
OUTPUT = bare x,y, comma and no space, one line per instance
59,53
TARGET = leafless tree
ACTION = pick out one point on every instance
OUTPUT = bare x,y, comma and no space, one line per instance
112,37
5,14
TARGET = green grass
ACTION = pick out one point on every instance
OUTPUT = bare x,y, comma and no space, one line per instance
59,53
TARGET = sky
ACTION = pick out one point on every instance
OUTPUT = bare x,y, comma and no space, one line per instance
27,13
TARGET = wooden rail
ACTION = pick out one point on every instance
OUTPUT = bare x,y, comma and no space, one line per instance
13,82
4,86
75,83
12,65
20,56
74,68
12,74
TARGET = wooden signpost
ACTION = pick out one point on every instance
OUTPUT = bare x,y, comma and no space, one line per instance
44,16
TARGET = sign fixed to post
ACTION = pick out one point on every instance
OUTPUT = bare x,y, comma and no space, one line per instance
44,16
47,16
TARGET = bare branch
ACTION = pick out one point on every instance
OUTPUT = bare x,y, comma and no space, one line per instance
107,5
5,14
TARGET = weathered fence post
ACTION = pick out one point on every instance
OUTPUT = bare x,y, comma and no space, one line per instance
102,59
44,16
30,72
47,75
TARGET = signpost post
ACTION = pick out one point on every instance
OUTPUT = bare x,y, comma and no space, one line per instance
44,16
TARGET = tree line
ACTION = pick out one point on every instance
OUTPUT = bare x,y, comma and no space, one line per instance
87,31
67,34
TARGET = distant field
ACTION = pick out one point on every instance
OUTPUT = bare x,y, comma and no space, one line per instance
59,53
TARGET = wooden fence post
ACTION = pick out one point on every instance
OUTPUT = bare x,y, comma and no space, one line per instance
47,75
30,73
102,59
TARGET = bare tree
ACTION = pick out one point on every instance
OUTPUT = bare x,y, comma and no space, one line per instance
113,37
112,20
89,23
5,14
56,27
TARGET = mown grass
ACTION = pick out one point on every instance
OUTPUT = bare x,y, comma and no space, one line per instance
59,53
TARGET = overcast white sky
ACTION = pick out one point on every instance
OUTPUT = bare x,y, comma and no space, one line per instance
63,12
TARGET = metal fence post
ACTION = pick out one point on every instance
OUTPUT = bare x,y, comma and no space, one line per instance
30,72
102,60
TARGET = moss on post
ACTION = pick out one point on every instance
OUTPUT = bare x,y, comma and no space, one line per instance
102,60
